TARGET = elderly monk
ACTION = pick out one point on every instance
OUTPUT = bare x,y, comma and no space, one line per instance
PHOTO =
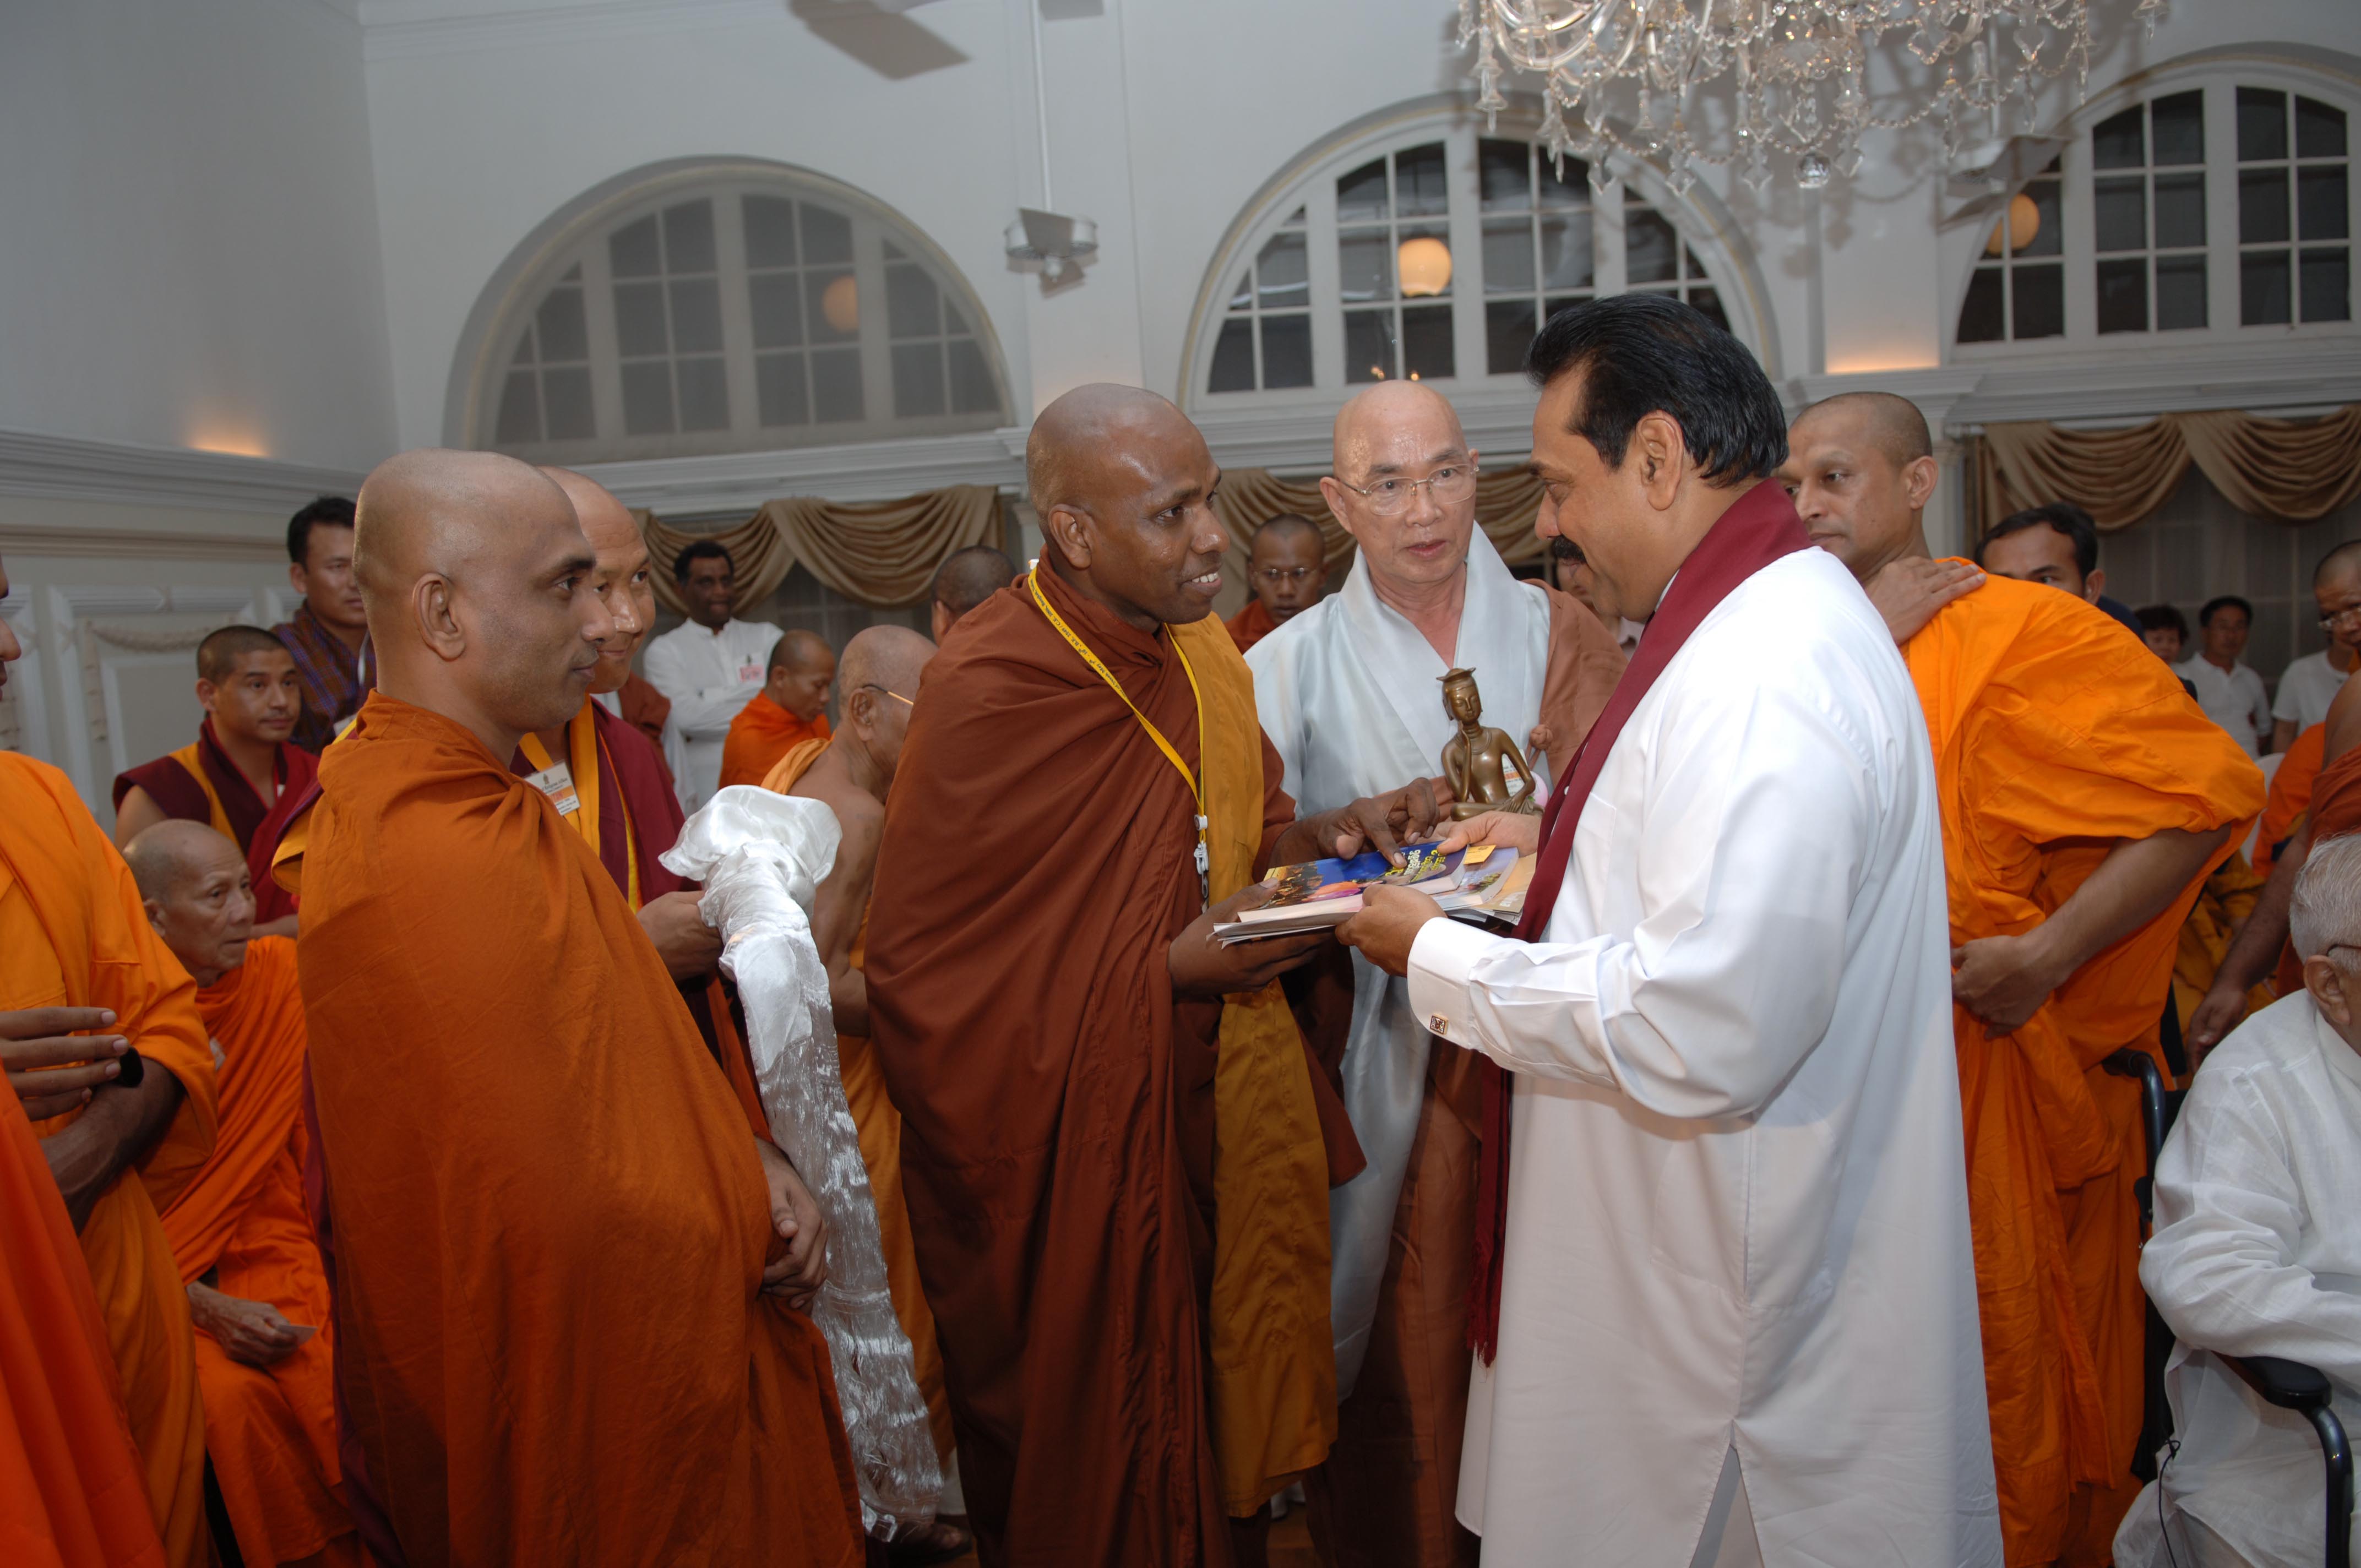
72,1490
965,579
74,935
2085,798
241,1231
565,1270
1348,696
1134,1325
851,774
1287,567
242,774
790,708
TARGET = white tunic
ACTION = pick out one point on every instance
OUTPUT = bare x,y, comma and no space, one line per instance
707,676
2306,688
1738,1212
2233,698
2257,1251
1350,694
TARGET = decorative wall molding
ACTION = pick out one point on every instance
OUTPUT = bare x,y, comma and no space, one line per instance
738,482
70,468
2290,376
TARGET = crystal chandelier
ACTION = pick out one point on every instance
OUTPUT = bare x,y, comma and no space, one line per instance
1628,75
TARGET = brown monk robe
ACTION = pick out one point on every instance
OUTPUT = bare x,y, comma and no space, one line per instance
565,1272
849,774
72,934
241,1231
1117,1184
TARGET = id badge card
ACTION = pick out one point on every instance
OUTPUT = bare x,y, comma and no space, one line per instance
557,781
750,671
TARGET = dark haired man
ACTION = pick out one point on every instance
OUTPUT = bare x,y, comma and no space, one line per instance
329,634
2229,691
2165,631
2084,800
708,667
1729,996
242,774
2056,544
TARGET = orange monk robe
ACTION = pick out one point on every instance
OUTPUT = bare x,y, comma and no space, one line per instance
1251,625
271,1430
73,1493
2053,735
879,1127
2223,902
550,1222
761,734
74,934
1119,1201
2290,794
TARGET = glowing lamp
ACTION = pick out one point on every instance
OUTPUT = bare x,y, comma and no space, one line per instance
2023,222
839,305
1424,266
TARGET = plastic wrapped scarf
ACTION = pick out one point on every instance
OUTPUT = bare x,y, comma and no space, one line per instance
760,857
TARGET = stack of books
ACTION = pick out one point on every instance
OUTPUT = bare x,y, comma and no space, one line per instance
1483,884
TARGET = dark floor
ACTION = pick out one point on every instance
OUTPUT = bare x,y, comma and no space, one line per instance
1291,1544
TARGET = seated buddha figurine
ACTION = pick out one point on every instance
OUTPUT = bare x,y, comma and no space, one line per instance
1486,769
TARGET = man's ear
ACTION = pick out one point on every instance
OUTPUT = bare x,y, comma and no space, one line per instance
2331,990
438,624
208,693
1332,490
1069,529
1918,477
1661,453
154,908
296,576
860,710
2095,584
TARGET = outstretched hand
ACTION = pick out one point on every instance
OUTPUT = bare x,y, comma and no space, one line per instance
1201,968
798,1267
1908,592
1386,822
1518,830
52,1070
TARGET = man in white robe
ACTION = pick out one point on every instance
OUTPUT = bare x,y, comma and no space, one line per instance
709,667
1735,1312
2258,1252
1348,692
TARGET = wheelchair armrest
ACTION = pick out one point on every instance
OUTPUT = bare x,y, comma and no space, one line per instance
2289,1384
2138,1064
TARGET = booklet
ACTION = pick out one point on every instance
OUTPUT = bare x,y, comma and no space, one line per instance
1321,893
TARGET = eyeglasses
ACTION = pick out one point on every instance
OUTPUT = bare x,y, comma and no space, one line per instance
889,691
1276,575
1391,497
2330,621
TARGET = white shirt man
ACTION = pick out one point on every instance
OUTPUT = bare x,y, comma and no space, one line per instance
1737,1317
708,668
2231,694
2258,1252
2306,688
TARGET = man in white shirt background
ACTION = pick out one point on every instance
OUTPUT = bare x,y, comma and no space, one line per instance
709,667
2310,684
1735,1314
2258,1252
2231,694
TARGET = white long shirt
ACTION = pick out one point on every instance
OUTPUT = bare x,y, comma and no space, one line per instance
1738,1210
2233,698
1350,694
707,676
2257,1251
2306,688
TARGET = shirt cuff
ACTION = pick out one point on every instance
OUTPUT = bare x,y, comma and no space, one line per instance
1442,957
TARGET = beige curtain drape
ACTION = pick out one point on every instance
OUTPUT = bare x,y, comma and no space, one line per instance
2294,470
1505,505
881,553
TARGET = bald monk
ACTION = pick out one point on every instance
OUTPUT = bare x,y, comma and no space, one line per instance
566,1271
241,1231
73,934
965,579
792,708
1134,1326
1287,568
243,774
74,1492
851,774
2085,796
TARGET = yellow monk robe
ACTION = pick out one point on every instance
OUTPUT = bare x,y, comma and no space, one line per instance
2223,905
74,934
2054,733
271,1430
549,1222
761,734
879,1127
72,1493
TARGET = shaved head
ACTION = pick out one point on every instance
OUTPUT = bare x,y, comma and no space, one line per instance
1368,416
1124,484
886,656
2345,561
1893,422
218,654
801,650
801,668
193,883
621,574
478,582
1389,436
968,578
881,667
1288,566
1290,525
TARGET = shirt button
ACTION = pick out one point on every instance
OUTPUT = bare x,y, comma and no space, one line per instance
1439,1023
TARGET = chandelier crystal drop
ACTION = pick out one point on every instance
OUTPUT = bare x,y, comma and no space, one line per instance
1641,77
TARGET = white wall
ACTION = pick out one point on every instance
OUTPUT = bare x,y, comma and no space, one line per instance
189,253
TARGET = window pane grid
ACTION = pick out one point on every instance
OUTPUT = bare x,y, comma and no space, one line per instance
1540,253
546,393
2018,289
1393,252
1267,340
2294,211
2147,201
1657,261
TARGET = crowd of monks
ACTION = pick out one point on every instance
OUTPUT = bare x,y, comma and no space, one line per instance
386,1177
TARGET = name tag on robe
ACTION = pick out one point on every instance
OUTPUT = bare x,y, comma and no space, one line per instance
557,781
748,671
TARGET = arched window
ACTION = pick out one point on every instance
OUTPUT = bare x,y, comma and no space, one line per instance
2213,205
1433,251
725,309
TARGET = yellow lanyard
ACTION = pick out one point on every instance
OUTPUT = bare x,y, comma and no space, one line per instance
1204,857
